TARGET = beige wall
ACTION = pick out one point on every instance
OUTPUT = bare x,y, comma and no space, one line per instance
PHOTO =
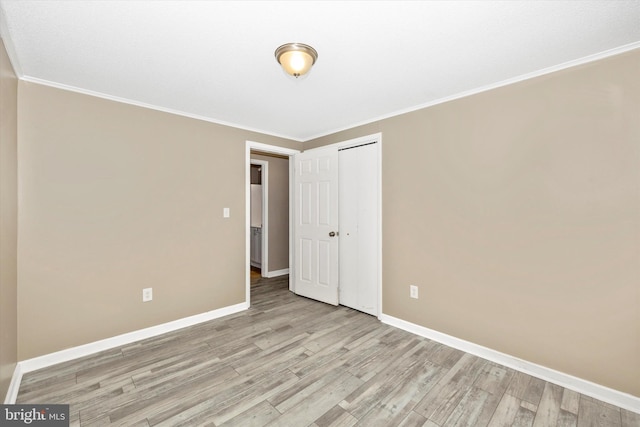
8,222
517,213
278,211
116,198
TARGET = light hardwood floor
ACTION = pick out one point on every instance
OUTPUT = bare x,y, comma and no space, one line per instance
290,361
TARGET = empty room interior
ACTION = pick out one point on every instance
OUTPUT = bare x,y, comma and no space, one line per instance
430,216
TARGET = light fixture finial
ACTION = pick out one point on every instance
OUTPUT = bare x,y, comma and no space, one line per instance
296,58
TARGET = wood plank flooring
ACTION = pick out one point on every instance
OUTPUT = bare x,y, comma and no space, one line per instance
290,361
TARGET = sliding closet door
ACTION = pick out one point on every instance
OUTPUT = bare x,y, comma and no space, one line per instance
358,218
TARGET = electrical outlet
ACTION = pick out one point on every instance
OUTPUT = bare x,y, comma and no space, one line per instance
413,291
147,294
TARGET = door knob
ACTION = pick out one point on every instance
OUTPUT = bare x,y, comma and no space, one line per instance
332,234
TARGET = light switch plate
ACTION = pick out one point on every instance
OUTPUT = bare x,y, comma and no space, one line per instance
225,213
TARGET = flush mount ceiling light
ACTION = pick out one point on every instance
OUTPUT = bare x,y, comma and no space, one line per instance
296,58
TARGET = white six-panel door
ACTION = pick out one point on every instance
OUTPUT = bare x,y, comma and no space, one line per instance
316,225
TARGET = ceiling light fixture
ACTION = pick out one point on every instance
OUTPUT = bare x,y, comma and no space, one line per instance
296,58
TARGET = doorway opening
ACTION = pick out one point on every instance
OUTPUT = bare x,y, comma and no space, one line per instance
259,213
268,230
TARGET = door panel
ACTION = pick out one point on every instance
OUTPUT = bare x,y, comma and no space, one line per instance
305,259
315,217
358,219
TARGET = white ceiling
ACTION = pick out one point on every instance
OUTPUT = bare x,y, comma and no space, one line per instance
214,60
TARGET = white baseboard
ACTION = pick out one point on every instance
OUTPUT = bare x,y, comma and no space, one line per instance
106,344
277,273
14,386
40,362
597,391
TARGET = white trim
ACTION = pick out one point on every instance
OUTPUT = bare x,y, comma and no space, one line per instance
292,268
517,79
277,273
8,46
597,391
527,76
130,337
264,241
247,226
273,149
14,386
375,137
379,137
152,106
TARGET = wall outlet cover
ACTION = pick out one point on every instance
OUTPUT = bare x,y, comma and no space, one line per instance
413,291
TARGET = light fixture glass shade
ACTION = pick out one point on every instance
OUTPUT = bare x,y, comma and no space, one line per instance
296,58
